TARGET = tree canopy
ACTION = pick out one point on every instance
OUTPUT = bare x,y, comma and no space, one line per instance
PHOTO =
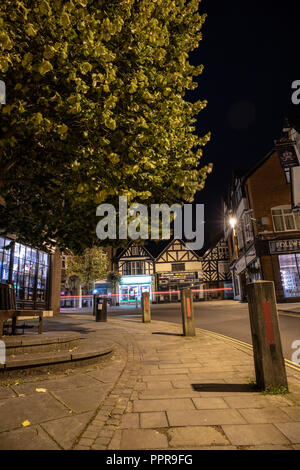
88,267
95,109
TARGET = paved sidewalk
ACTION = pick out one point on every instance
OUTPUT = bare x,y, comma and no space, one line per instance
159,390
293,307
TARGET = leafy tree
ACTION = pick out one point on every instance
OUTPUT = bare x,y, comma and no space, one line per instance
114,278
95,109
88,267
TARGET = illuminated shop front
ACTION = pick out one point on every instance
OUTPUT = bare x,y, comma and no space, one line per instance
290,274
132,287
286,255
28,270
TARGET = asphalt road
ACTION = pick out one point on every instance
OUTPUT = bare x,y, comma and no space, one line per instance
230,318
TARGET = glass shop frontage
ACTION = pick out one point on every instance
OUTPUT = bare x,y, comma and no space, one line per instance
288,253
132,287
28,270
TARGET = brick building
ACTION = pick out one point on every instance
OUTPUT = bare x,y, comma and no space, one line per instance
263,230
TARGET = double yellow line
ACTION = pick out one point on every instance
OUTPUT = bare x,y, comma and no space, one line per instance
248,346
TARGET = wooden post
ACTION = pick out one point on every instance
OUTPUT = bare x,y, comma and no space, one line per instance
267,349
187,310
146,312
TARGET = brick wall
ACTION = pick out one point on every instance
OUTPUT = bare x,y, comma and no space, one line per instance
268,188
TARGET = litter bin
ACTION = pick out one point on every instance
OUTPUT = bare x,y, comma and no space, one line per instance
100,308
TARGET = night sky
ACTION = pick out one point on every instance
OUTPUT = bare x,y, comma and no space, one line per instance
251,55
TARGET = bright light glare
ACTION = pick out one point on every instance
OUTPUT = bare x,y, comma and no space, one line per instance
232,221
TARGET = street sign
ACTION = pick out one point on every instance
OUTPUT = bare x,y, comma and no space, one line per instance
287,154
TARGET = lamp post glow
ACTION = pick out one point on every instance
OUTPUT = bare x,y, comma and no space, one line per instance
232,222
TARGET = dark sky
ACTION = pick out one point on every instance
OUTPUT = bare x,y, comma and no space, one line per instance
251,54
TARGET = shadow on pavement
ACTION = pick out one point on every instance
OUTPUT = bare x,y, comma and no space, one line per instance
168,334
212,387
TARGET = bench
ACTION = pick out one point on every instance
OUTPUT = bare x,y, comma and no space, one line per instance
8,310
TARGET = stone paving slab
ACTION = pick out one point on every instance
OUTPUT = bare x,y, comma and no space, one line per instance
291,431
143,439
155,419
65,430
32,438
72,399
35,409
197,436
204,417
264,415
163,405
254,434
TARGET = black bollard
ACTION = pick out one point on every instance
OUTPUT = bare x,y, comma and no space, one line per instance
101,309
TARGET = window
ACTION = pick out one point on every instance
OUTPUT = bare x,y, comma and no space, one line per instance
5,252
178,267
135,250
248,228
30,273
131,268
287,172
240,237
284,219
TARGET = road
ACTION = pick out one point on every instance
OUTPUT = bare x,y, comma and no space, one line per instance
230,318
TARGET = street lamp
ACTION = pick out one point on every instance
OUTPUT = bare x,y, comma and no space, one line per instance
232,222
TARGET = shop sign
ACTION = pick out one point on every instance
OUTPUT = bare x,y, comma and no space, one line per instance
287,154
240,265
135,280
284,246
250,255
178,275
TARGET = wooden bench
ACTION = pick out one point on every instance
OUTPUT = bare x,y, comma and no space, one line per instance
8,310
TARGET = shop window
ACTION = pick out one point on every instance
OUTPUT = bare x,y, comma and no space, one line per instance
290,274
30,273
5,253
178,267
284,219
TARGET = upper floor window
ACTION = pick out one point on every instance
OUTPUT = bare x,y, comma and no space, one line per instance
238,194
248,227
284,219
133,268
178,267
135,250
240,238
